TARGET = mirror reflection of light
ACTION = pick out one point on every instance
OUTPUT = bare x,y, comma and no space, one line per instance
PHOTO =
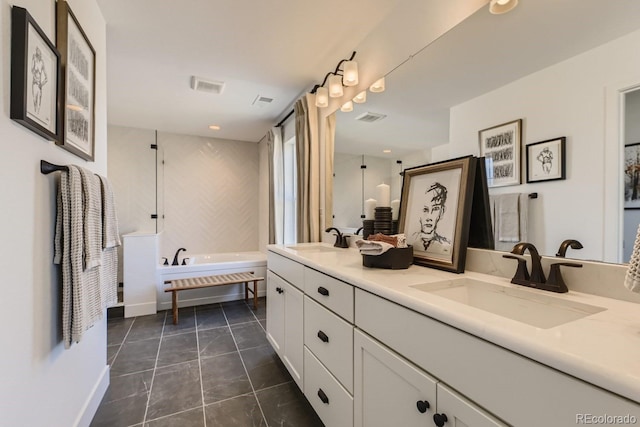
73,107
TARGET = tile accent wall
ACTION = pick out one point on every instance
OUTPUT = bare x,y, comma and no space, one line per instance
207,190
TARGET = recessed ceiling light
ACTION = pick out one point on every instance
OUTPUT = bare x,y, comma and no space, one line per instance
214,127
386,151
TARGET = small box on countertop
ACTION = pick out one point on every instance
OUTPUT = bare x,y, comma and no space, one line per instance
394,259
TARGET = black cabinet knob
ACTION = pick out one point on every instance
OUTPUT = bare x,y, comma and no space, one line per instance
279,290
440,419
323,337
422,405
323,396
323,291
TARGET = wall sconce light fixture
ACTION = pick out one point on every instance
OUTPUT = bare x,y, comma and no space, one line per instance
347,76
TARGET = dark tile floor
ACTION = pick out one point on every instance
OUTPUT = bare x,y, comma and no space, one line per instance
215,368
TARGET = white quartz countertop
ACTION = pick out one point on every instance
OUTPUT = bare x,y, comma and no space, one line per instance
602,348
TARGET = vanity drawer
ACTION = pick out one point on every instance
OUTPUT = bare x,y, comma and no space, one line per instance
334,294
291,271
331,339
332,403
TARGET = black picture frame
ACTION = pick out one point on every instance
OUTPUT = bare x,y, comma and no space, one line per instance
35,77
632,176
500,146
546,160
78,90
435,212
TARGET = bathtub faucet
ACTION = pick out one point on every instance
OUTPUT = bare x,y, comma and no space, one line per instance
175,258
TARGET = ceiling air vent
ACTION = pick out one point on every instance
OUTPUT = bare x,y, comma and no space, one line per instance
262,101
209,86
370,117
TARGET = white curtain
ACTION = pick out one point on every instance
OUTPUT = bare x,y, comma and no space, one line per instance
276,186
308,169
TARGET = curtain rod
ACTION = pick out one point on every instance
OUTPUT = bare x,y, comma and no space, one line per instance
285,119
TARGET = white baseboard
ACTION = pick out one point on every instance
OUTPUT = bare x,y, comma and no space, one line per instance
93,400
133,310
166,305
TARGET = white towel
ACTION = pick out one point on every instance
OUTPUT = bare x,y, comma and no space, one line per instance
509,217
110,242
82,300
370,247
92,220
632,278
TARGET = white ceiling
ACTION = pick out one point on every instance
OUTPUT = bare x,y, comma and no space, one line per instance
280,49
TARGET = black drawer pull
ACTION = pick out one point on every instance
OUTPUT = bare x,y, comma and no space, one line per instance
440,419
422,405
323,291
323,396
279,290
323,337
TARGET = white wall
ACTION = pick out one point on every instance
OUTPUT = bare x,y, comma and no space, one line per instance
42,383
567,99
208,190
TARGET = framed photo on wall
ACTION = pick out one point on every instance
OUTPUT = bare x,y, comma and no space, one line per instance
500,146
35,77
546,160
78,85
435,212
632,176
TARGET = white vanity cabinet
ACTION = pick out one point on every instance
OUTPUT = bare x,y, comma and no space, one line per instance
285,313
328,347
515,389
392,391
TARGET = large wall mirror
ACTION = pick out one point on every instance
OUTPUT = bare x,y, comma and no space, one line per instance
546,62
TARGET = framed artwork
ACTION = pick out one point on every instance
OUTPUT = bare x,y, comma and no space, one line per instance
78,85
35,77
435,212
500,146
546,160
632,176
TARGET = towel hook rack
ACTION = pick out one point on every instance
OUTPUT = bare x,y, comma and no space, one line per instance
47,168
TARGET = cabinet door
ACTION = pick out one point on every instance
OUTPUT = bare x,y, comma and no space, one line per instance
388,390
275,312
293,332
454,410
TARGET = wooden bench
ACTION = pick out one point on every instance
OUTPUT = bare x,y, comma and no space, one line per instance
209,281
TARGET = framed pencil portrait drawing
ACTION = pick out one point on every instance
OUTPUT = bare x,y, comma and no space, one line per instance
500,146
78,85
35,77
435,212
546,160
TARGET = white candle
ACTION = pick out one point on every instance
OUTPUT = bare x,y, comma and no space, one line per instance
395,208
383,193
370,208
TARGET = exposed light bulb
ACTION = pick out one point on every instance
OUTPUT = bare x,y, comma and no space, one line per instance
346,107
322,97
335,86
350,77
360,98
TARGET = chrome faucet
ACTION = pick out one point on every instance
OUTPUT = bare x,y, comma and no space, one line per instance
569,243
175,257
342,241
536,279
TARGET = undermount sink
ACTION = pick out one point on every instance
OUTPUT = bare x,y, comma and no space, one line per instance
539,310
314,248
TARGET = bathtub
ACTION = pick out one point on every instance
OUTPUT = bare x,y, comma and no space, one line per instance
209,265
